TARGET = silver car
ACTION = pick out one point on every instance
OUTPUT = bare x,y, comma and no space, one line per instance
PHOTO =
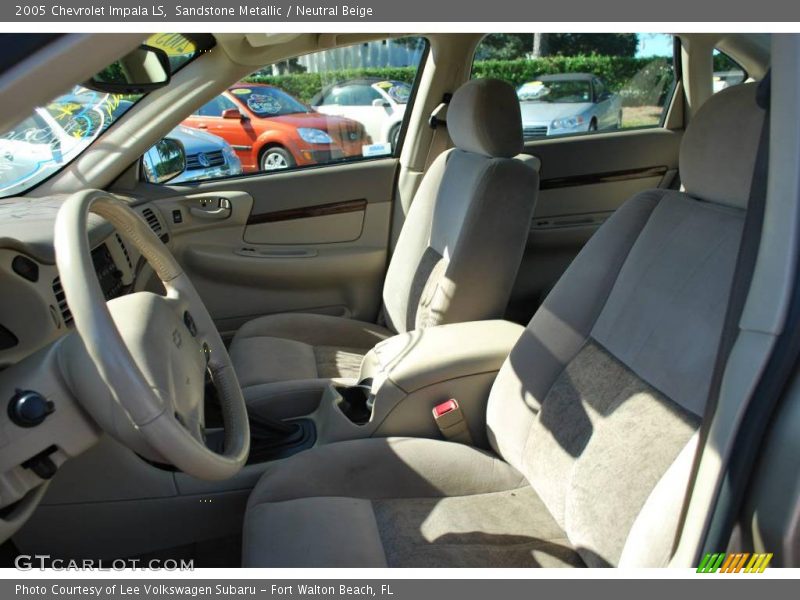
207,156
567,103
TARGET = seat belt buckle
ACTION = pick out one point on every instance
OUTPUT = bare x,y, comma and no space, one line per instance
451,423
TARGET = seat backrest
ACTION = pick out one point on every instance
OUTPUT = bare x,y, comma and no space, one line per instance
606,387
464,236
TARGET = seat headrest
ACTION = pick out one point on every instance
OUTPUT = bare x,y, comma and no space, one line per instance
718,150
484,117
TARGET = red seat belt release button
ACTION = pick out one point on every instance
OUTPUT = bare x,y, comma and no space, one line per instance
444,408
450,421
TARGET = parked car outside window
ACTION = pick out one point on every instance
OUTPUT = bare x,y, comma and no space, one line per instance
338,105
567,103
207,156
269,129
378,104
55,134
583,83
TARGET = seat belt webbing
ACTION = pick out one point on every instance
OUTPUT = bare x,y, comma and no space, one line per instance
740,286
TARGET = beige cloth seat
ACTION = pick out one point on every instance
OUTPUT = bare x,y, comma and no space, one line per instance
455,260
434,503
302,346
592,419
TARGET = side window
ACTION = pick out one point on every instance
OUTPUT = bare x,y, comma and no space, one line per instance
727,72
333,95
367,95
215,107
582,83
316,109
357,94
599,90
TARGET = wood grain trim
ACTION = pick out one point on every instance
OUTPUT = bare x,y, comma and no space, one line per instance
608,177
306,212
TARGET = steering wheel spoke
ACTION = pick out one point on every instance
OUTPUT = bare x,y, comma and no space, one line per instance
194,424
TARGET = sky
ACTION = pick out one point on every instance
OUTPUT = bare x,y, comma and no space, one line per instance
654,44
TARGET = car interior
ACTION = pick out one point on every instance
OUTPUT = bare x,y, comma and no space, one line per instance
479,346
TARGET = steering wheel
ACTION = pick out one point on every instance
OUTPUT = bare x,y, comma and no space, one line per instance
152,352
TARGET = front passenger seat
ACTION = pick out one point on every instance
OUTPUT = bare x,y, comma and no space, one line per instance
592,419
455,260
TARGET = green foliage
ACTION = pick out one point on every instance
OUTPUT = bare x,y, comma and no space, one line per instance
504,46
650,86
513,46
412,43
723,62
638,80
615,71
303,86
587,44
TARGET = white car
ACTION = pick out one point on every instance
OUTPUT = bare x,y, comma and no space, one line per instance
567,103
378,104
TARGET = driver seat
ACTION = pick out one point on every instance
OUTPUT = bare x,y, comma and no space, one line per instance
592,419
455,260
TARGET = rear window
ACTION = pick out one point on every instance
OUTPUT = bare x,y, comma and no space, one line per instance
398,91
268,101
568,90
727,72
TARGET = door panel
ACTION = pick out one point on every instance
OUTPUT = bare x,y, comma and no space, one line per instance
583,180
310,240
312,230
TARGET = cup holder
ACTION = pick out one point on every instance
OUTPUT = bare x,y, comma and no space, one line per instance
355,402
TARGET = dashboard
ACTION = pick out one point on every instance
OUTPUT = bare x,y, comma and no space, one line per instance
108,273
33,308
42,424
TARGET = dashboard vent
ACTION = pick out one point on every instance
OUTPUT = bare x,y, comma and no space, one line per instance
125,251
61,300
152,220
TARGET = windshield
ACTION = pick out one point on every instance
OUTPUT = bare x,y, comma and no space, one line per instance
398,91
568,90
53,135
268,102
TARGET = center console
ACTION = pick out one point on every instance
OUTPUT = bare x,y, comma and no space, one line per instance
405,376
401,380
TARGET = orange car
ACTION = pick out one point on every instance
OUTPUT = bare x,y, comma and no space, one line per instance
270,129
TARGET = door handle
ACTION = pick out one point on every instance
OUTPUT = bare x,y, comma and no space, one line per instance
208,211
202,126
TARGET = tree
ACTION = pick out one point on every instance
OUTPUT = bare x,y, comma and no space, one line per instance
412,43
588,44
505,46
541,45
288,66
511,46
